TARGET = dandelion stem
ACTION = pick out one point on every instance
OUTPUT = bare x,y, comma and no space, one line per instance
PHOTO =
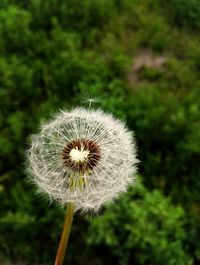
65,235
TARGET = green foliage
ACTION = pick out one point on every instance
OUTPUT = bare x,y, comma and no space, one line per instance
57,54
142,228
12,21
185,13
168,118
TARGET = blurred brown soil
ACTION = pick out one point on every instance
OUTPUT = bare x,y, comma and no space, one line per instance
145,58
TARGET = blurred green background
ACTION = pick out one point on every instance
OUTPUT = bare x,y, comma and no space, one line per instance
140,60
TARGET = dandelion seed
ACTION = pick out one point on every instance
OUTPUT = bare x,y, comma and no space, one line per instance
85,157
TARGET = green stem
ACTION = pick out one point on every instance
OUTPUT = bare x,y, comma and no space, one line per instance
65,235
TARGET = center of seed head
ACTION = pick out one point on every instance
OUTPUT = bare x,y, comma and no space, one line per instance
81,155
77,155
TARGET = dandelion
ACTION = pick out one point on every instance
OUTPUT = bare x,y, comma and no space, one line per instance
85,158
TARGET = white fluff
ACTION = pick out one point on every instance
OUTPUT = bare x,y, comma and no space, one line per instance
77,155
112,174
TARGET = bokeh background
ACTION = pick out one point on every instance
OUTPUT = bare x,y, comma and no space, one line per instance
140,60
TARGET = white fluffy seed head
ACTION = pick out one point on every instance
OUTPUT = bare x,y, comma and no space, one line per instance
83,156
78,155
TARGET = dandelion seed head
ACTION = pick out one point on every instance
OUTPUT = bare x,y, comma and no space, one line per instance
83,156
